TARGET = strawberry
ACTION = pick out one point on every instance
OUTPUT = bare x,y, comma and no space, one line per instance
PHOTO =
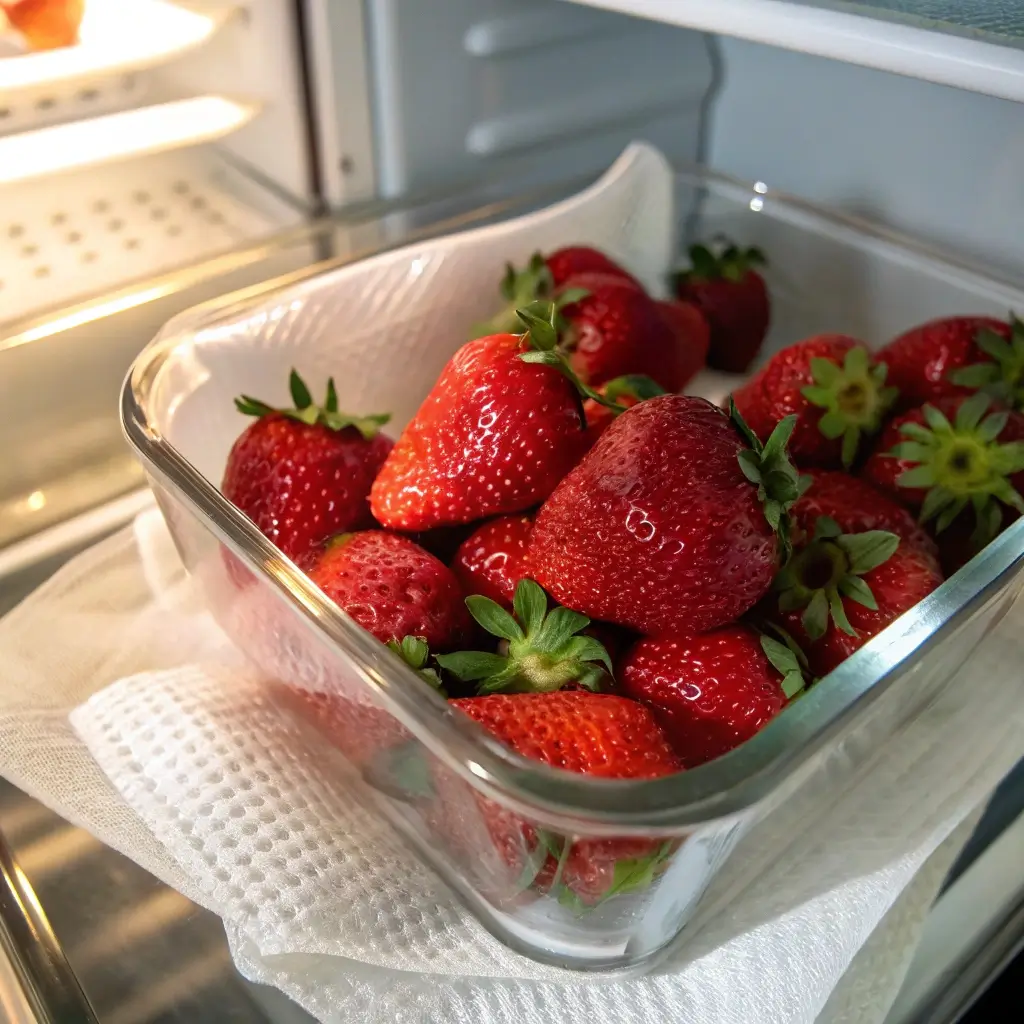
857,507
573,260
713,691
954,356
956,462
392,588
600,735
304,474
694,338
839,590
500,428
543,276
624,391
836,392
614,329
544,652
734,299
672,522
489,561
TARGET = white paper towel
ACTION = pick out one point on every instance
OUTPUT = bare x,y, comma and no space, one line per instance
177,760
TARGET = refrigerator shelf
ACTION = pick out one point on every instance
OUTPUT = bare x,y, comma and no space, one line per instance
65,238
117,37
916,44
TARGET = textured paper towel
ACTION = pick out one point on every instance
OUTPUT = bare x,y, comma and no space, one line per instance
321,899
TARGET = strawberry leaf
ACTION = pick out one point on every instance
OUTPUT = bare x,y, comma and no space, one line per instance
868,550
545,650
633,385
785,662
413,650
305,411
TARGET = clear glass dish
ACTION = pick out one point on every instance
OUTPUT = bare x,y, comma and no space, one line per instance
444,783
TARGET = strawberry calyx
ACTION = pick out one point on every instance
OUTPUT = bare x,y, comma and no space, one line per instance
306,411
541,338
633,385
828,569
732,263
520,288
1002,377
630,875
545,651
962,463
854,397
415,652
769,466
788,660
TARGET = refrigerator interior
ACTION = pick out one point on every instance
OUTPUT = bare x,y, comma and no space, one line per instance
907,112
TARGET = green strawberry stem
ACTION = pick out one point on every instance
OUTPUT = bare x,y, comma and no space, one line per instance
830,568
854,397
962,463
1003,377
415,652
541,320
545,652
769,467
520,288
633,385
305,411
789,661
731,264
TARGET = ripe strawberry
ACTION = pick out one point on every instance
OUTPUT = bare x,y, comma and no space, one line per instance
857,507
571,260
489,561
840,590
734,299
499,429
543,276
713,691
955,462
954,356
544,651
392,588
837,393
694,334
670,524
304,474
625,391
614,330
594,734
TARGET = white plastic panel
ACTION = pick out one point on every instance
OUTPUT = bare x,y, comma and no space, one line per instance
467,87
910,49
942,164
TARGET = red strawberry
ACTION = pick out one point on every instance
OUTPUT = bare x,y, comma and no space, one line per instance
734,299
594,734
623,391
660,528
857,507
542,276
497,432
711,692
544,652
304,474
834,389
572,260
392,588
694,334
957,462
489,561
840,590
614,330
955,356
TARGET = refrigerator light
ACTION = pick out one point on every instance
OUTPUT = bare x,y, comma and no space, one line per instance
128,133
115,36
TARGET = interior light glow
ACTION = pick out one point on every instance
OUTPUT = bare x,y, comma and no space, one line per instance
115,36
127,133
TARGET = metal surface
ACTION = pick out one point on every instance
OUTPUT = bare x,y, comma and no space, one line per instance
48,984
